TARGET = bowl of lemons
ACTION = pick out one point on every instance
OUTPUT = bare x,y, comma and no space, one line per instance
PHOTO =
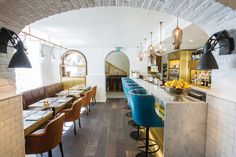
177,89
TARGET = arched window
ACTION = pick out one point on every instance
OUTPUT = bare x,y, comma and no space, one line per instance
73,68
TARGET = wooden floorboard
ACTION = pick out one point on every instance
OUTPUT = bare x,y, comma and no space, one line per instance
104,133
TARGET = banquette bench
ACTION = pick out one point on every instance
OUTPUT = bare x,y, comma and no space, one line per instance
34,95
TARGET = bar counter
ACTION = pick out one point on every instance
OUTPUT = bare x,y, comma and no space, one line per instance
184,123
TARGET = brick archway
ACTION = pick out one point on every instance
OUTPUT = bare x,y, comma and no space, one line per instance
210,15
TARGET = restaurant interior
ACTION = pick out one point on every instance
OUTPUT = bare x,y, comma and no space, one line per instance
136,78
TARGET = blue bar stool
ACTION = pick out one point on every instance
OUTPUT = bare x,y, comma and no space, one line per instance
144,114
127,87
125,81
138,90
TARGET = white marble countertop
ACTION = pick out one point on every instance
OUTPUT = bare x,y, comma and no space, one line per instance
222,94
162,96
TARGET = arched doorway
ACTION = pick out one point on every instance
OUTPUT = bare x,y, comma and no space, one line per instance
73,68
116,66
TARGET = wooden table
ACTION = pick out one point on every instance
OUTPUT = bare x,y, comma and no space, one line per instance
54,103
74,91
35,118
80,88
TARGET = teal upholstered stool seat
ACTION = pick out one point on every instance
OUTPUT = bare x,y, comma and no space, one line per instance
144,114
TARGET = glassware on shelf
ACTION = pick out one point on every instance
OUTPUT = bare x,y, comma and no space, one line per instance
201,77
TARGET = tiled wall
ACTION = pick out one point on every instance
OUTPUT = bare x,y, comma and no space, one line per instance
221,120
221,128
11,128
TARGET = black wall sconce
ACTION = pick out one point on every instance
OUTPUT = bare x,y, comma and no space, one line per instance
226,45
19,59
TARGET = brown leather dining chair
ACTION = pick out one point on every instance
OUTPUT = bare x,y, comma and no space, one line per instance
73,113
93,94
44,140
86,100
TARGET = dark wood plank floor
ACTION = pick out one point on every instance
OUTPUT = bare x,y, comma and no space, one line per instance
104,133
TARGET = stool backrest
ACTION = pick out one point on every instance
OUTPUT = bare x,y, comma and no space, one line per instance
125,80
127,85
137,89
143,110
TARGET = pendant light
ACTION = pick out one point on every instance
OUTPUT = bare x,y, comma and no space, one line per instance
151,49
42,56
161,51
52,54
139,52
177,36
145,48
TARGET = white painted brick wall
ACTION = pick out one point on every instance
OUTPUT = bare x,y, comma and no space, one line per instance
11,128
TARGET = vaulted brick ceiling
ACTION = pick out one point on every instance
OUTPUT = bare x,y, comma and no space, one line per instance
208,14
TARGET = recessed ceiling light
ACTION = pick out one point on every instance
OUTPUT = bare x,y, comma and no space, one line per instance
190,40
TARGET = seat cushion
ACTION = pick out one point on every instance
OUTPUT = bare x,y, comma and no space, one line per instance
51,90
38,94
27,99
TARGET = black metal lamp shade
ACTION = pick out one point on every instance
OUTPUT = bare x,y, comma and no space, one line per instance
226,43
207,62
19,59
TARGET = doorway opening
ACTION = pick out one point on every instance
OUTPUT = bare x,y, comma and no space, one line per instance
116,66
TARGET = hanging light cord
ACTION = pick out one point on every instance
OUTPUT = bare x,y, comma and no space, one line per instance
145,48
151,38
160,31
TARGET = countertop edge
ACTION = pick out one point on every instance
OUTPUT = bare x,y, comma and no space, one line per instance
8,96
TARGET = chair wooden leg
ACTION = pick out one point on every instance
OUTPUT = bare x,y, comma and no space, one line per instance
74,128
79,123
50,153
61,148
95,100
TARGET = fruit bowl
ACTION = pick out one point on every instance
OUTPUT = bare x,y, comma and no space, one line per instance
177,93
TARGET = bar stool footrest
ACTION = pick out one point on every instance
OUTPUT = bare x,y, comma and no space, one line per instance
150,146
135,135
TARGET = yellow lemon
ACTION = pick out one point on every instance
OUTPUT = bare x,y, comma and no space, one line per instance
186,83
174,84
167,84
178,87
180,84
186,86
181,80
